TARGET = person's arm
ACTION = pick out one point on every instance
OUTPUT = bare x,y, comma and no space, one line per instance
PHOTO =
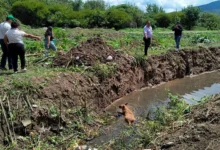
32,36
6,40
145,33
48,41
180,28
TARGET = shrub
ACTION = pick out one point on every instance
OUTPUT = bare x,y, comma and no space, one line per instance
104,71
163,20
30,12
118,19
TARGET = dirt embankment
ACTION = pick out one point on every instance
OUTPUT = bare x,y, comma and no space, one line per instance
131,73
201,131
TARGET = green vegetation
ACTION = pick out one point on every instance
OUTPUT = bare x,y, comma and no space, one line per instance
96,13
123,31
145,133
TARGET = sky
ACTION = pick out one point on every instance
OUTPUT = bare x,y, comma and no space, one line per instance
168,5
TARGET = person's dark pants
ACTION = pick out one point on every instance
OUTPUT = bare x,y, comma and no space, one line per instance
15,50
177,40
5,56
146,45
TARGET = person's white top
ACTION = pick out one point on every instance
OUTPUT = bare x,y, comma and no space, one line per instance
148,30
15,36
4,27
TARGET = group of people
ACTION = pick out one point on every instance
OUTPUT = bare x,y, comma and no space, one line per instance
148,33
11,40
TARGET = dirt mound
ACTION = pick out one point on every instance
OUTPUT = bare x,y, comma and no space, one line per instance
130,74
200,132
87,53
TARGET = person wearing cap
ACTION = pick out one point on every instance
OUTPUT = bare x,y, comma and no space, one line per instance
148,33
4,27
14,41
49,40
177,34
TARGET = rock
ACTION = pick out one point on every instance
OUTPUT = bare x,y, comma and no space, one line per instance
109,58
77,58
167,145
34,106
83,147
26,122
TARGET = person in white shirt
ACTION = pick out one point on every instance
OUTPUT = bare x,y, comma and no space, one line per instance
148,33
4,27
14,40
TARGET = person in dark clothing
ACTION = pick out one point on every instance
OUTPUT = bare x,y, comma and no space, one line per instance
177,34
4,27
49,40
14,41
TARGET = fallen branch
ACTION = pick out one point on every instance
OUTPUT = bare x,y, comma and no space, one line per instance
28,55
6,120
44,59
210,144
12,122
28,102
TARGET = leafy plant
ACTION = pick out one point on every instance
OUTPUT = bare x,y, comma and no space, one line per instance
104,71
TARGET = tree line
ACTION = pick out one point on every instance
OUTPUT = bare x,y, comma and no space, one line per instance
96,13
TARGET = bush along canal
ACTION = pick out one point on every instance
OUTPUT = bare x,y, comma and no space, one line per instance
66,109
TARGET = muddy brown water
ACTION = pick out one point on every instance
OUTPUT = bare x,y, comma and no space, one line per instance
191,88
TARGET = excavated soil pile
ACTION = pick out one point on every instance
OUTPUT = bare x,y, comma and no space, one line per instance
131,74
87,53
201,132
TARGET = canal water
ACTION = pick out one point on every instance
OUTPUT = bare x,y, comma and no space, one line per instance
191,88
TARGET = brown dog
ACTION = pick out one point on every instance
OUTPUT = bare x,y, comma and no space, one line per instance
129,116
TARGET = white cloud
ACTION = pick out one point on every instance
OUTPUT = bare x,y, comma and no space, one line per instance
168,5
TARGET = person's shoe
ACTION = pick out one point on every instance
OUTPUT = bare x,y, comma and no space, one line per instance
15,72
24,70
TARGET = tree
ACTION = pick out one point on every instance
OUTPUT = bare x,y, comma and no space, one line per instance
136,14
192,15
95,4
97,19
30,14
163,20
118,19
209,20
154,9
77,5
177,17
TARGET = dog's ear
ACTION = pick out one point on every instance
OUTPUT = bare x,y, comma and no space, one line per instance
126,103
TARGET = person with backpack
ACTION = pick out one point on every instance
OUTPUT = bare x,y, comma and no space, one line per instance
4,27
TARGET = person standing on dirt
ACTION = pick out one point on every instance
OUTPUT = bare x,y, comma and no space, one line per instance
148,32
177,34
14,41
49,40
4,27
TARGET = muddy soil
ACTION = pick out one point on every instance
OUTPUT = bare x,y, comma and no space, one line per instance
87,53
201,131
131,74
